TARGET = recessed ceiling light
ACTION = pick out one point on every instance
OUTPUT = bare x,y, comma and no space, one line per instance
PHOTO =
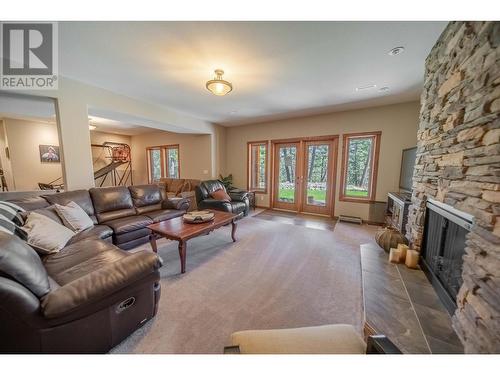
385,88
396,51
367,87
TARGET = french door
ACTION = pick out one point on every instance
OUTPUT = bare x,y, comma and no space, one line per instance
303,175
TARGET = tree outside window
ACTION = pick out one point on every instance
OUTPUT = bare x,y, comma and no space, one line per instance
360,159
163,161
257,168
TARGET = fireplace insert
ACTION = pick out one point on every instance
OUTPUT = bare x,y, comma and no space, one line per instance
443,247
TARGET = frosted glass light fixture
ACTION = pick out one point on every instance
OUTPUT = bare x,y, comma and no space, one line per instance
218,86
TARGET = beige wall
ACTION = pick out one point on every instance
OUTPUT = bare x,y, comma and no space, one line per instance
23,138
100,155
195,154
398,124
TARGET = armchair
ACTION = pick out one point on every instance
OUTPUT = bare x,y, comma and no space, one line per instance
239,203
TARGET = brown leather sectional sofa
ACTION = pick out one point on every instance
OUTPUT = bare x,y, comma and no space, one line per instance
91,295
120,214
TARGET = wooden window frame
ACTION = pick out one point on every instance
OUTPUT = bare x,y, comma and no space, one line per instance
266,162
372,189
163,160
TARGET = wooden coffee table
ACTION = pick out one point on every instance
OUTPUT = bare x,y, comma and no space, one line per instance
176,229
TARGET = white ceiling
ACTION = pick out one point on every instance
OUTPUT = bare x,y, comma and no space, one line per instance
117,127
278,69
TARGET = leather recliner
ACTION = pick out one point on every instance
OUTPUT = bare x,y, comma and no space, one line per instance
239,203
85,299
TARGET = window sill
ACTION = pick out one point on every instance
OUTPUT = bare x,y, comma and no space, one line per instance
356,200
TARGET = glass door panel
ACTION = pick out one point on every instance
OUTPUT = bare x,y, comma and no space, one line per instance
286,176
317,170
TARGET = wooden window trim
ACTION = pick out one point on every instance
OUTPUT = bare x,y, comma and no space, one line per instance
163,158
249,178
373,178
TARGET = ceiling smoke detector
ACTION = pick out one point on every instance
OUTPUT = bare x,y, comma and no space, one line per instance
396,51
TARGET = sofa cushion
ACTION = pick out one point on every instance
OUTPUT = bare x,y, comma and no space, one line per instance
80,197
145,195
102,232
112,202
161,215
74,217
129,223
119,239
80,258
175,186
327,339
21,263
45,235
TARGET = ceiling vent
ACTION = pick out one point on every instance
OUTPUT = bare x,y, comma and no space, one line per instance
396,51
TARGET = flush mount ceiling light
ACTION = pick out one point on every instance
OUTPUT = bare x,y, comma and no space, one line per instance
396,51
218,86
92,127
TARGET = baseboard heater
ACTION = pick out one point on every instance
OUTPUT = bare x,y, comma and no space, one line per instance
350,219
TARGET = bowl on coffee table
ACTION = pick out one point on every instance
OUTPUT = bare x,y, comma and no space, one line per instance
197,217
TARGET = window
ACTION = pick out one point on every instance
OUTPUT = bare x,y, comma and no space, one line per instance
172,161
359,166
163,161
257,166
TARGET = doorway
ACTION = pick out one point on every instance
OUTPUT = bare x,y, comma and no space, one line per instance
304,174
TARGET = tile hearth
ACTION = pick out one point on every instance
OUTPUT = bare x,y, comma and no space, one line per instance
401,303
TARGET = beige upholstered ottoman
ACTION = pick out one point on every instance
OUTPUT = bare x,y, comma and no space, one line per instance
327,339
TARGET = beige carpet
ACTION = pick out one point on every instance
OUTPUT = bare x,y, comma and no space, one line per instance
275,276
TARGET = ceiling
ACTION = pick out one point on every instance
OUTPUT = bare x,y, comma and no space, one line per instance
117,127
278,69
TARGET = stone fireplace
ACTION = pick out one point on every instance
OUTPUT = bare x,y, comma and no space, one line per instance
458,163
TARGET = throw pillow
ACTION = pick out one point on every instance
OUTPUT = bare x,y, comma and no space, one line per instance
221,195
74,217
12,212
8,226
45,235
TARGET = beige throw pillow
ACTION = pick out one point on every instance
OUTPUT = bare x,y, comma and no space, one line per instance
45,235
74,217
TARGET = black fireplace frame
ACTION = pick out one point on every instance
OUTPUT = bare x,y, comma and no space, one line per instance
458,218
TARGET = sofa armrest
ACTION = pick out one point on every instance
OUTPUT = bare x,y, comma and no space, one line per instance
238,195
176,203
17,299
99,284
215,204
380,344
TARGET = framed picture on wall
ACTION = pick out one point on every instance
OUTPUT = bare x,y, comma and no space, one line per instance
49,154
